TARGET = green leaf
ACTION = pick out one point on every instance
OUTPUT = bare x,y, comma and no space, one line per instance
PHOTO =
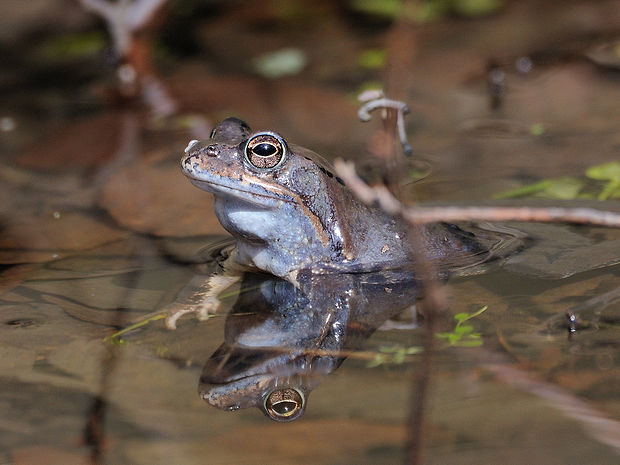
566,188
378,360
399,357
524,190
461,317
610,188
605,172
562,189
463,329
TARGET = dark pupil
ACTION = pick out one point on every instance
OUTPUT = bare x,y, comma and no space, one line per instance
264,149
284,407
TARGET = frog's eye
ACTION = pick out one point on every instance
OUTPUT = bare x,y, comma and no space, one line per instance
285,404
265,150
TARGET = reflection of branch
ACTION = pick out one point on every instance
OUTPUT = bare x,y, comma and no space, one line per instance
420,215
600,427
125,19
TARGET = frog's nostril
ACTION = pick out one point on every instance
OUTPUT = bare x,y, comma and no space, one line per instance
211,151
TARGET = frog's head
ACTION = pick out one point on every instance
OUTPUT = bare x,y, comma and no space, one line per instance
258,168
270,193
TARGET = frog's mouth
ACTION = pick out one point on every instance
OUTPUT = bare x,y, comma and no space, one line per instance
263,198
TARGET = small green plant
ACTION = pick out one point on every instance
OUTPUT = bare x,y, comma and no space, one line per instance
463,335
601,182
609,173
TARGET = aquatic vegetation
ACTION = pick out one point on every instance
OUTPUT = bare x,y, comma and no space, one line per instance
601,182
463,335
610,173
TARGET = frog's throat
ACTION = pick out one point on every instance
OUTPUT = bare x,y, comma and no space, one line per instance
280,193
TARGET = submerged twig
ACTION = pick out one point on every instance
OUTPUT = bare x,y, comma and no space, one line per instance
421,215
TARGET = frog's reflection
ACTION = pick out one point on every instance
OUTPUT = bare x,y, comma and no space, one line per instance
281,340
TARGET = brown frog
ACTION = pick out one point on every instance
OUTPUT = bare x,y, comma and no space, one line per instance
289,212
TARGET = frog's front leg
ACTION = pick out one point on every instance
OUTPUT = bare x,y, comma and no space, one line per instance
204,302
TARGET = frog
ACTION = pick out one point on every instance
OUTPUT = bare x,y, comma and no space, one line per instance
288,211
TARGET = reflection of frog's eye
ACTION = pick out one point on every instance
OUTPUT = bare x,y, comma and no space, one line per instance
284,404
265,150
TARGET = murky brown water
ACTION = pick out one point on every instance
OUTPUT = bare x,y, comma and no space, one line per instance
99,229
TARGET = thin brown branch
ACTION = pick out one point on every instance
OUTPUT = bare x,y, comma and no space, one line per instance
421,215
